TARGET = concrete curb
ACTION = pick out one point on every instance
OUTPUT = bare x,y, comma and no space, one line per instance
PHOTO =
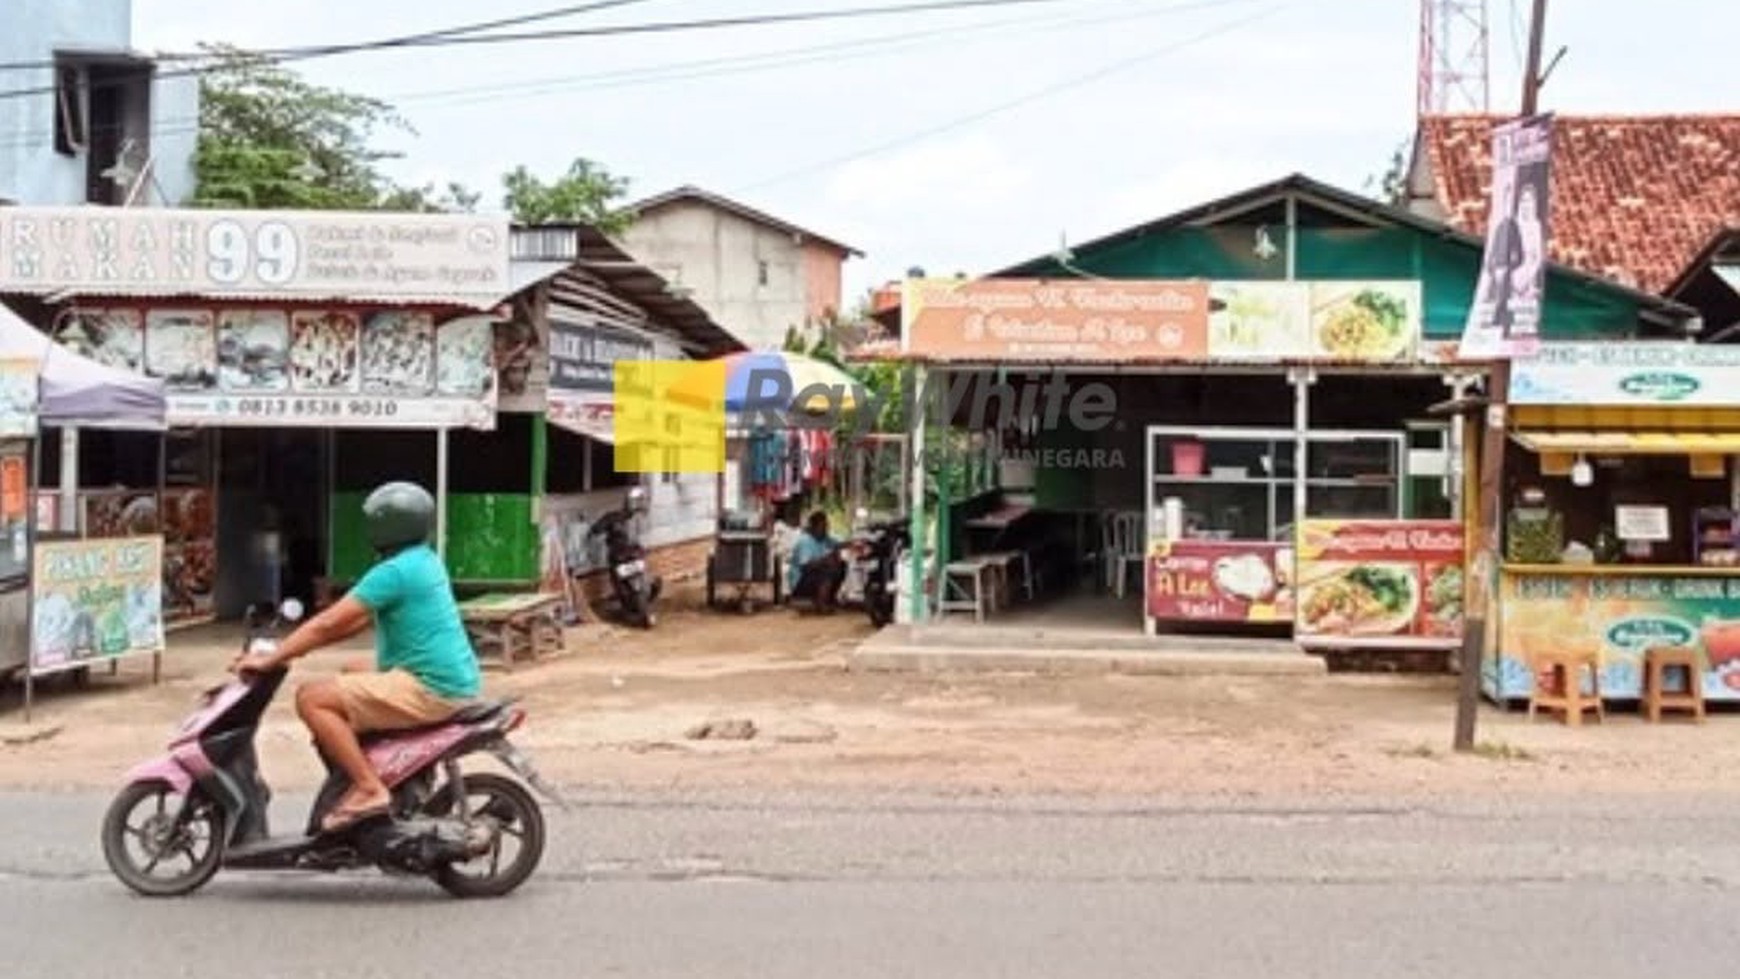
890,657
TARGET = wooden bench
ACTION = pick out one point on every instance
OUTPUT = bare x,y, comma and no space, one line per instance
967,587
513,625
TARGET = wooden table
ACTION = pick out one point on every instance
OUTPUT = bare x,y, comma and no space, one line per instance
512,625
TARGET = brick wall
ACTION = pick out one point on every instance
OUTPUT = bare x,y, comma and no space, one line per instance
673,562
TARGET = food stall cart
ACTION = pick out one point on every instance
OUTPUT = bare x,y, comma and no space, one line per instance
1620,529
84,601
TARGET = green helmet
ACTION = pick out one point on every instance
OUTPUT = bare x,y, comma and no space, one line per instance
398,515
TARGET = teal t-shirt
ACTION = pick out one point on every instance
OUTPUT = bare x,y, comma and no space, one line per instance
417,623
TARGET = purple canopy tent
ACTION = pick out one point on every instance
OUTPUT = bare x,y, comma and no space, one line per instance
73,392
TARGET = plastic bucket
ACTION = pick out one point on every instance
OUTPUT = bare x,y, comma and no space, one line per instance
1187,458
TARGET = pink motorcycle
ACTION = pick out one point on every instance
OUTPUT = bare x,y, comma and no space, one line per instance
203,806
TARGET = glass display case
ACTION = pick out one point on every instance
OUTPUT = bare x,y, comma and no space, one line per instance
1239,484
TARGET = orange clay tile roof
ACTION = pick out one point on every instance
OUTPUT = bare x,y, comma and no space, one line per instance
1634,198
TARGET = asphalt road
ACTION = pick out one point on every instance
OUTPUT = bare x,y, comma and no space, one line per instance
836,886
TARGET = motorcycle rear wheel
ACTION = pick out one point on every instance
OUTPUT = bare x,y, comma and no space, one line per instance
161,839
518,816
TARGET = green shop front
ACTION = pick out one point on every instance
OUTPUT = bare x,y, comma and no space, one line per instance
1273,465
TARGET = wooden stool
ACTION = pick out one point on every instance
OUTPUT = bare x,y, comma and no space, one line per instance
1656,697
1565,676
966,587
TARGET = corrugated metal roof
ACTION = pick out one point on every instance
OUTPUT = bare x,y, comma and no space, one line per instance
57,296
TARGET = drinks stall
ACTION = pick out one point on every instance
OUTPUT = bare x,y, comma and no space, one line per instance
1620,524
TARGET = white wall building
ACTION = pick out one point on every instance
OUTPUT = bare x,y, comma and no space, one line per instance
757,276
77,100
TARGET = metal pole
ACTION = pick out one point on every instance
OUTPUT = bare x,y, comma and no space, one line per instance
915,427
69,479
441,492
1485,579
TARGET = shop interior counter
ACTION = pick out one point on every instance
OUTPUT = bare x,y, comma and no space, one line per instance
1619,611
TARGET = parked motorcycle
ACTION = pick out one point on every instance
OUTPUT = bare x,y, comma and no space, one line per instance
633,589
877,552
203,806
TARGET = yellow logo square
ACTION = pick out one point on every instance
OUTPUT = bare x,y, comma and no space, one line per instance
669,416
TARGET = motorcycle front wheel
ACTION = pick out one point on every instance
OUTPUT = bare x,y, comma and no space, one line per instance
518,820
161,844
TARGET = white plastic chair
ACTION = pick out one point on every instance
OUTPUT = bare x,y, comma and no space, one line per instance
1123,546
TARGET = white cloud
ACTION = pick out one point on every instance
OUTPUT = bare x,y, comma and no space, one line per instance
969,172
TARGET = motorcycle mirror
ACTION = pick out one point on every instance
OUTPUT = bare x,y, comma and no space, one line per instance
291,610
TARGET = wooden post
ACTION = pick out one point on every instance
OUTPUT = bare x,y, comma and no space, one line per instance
1484,580
441,492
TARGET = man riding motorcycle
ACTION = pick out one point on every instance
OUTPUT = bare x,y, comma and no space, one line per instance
424,668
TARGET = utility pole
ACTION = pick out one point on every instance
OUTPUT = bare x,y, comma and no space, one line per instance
1489,554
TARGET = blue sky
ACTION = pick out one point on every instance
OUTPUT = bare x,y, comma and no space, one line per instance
883,132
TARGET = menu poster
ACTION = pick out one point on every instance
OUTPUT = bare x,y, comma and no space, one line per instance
1219,581
325,368
1381,582
95,600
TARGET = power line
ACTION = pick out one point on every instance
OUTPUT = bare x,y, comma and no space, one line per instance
709,67
1001,107
656,27
381,43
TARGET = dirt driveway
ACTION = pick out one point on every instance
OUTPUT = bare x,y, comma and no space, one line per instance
617,709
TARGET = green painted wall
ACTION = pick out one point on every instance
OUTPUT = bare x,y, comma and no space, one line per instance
490,538
1446,268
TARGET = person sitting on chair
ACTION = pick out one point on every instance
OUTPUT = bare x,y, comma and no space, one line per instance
816,569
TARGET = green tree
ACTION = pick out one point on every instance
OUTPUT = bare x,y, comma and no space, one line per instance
1391,186
586,192
270,139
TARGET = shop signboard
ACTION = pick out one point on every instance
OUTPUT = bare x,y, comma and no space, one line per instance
157,251
292,367
1340,321
19,386
582,375
1219,581
1098,320
1135,321
1628,374
1387,583
95,600
1618,615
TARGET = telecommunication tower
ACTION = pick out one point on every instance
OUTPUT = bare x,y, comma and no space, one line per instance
1453,57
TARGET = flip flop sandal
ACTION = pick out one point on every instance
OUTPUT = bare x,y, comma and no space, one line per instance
343,818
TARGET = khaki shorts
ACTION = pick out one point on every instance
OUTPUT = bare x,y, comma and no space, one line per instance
391,701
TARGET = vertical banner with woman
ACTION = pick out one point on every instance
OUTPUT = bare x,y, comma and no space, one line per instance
1504,320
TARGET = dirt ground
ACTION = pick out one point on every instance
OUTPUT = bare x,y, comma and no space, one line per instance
616,711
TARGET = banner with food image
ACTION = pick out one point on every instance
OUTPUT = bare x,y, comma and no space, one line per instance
1219,581
1368,322
95,600
181,348
253,349
1381,582
1618,616
1353,321
111,337
325,368
1265,321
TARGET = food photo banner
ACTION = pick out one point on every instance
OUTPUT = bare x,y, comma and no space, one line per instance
328,255
95,600
1380,582
1137,320
322,368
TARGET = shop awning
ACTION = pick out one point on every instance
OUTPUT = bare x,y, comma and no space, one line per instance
1632,443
